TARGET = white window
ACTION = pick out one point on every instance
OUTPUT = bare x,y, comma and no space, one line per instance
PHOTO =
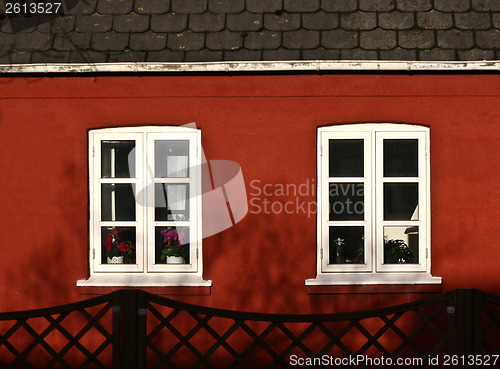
145,207
373,205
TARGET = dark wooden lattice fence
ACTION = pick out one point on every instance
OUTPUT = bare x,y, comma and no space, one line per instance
134,329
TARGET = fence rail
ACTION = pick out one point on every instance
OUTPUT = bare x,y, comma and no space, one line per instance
135,329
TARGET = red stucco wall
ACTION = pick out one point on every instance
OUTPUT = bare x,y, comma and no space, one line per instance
268,125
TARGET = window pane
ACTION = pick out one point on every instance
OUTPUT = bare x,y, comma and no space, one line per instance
171,242
117,202
118,245
171,201
347,245
115,159
400,158
172,159
401,245
346,158
400,201
347,201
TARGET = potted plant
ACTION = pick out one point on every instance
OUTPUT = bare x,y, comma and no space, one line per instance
397,252
118,251
174,250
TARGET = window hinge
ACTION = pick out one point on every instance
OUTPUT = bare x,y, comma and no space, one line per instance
93,253
321,256
321,150
93,151
426,150
427,253
197,254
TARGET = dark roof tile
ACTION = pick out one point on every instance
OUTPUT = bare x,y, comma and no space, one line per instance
398,54
301,6
436,54
264,6
244,21
414,5
282,22
301,39
377,5
358,20
321,54
243,54
113,6
20,25
452,5
434,20
110,41
377,39
131,23
396,20
165,55
7,42
93,23
340,39
126,56
455,39
472,20
262,40
51,56
225,40
320,21
206,22
169,22
6,27
186,41
88,56
148,41
151,6
82,7
72,41
208,55
58,25
281,54
15,57
416,39
339,5
226,6
189,6
476,54
486,5
358,54
35,41
488,39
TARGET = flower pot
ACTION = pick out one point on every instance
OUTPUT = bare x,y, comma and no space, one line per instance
175,260
115,260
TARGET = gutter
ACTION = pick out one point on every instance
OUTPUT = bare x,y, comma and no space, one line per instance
255,66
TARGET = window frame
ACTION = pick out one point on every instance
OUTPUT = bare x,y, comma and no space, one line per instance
374,271
145,272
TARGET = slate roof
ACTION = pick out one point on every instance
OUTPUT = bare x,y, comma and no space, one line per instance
253,30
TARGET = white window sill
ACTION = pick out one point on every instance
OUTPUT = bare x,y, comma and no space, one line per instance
338,279
144,280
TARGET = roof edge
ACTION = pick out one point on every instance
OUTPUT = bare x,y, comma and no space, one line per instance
253,66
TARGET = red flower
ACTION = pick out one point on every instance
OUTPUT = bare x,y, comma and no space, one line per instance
111,238
123,246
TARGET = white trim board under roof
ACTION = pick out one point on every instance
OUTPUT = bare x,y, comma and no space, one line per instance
255,67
